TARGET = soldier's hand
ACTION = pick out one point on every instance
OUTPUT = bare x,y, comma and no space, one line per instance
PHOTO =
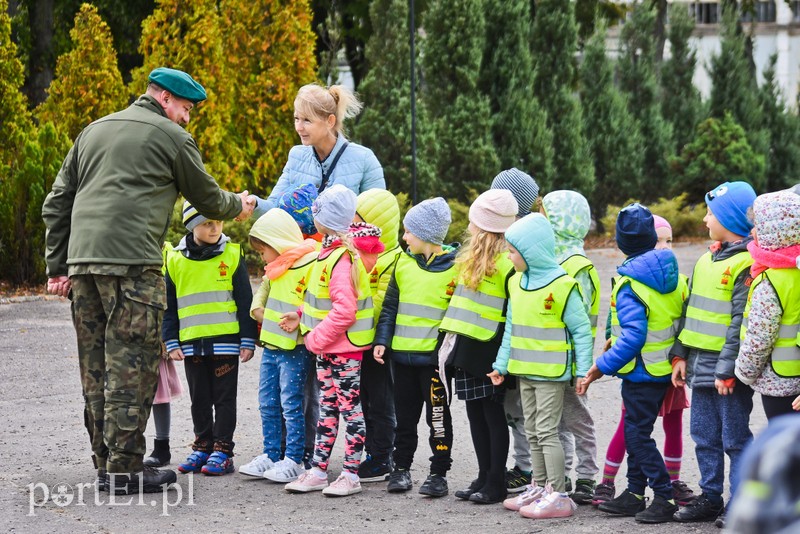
176,354
245,354
248,205
59,285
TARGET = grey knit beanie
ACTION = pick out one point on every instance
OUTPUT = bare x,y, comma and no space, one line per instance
522,186
335,208
429,220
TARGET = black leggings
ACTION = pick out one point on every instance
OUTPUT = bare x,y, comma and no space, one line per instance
487,424
775,406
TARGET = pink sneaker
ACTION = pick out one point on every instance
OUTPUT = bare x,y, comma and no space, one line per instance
342,487
554,504
531,493
307,482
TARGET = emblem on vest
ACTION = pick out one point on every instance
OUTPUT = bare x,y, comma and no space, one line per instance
451,287
301,286
373,276
548,302
323,277
223,268
726,277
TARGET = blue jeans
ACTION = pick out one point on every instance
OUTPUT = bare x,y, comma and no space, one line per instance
720,425
282,379
645,464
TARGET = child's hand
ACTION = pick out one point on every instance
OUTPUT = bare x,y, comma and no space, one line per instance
724,387
796,404
583,385
377,352
245,354
678,372
176,354
496,378
289,322
607,345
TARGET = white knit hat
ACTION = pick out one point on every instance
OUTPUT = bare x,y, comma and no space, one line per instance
494,211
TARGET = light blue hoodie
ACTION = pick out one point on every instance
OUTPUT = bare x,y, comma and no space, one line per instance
533,237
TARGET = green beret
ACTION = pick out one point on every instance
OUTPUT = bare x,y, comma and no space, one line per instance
178,83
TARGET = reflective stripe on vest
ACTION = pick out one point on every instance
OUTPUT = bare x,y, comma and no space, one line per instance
424,297
663,315
708,313
479,313
285,295
540,343
204,290
785,358
574,265
317,300
381,274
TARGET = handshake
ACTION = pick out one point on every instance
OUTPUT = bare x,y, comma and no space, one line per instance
248,205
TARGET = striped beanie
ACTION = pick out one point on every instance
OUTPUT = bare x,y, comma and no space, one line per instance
191,217
522,186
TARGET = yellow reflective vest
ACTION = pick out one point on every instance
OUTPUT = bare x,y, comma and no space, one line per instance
663,315
285,295
423,299
540,342
785,359
479,313
708,313
317,301
574,265
380,275
204,289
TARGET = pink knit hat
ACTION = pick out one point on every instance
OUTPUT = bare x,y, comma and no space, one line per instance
494,211
661,222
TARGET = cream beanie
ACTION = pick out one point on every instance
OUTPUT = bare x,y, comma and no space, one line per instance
494,211
277,229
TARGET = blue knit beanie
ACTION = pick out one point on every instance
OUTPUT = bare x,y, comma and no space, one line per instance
636,230
729,203
429,220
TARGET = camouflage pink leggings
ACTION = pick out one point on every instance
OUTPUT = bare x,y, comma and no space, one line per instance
339,380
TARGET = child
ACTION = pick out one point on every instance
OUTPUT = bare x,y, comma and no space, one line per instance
769,360
547,341
338,324
210,333
476,315
379,207
569,214
526,192
675,401
285,361
646,303
416,299
708,344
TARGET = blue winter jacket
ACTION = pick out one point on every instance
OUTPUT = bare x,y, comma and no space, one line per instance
657,269
533,237
358,170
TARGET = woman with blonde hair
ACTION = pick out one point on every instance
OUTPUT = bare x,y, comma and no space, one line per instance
325,157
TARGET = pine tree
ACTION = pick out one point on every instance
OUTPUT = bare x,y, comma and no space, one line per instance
88,84
719,153
270,55
610,128
783,127
554,43
734,88
519,124
187,35
385,122
638,79
459,113
681,103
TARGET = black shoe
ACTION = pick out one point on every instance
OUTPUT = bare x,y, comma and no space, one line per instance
150,480
374,470
626,504
516,480
660,511
160,455
480,497
434,486
399,481
584,491
719,522
567,485
700,509
464,494
102,480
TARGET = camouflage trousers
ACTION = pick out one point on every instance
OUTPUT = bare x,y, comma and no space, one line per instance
118,324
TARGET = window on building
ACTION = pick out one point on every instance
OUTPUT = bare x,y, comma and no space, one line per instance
705,12
762,12
796,10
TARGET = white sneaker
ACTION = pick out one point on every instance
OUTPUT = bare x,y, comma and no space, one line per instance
257,466
287,470
307,482
342,487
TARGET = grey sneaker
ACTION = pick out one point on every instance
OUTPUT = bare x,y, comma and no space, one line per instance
257,466
285,471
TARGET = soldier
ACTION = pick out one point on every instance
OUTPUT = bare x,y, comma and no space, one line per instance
106,217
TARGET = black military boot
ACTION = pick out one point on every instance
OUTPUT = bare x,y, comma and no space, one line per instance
149,480
160,455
